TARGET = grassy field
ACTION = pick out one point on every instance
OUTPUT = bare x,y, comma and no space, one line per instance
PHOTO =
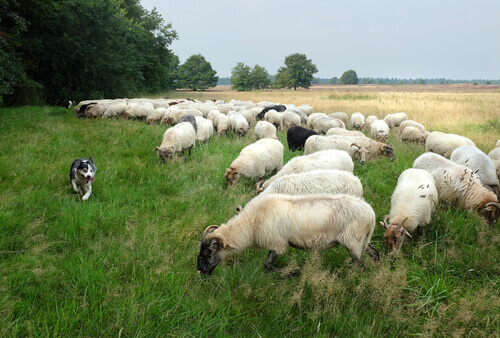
123,263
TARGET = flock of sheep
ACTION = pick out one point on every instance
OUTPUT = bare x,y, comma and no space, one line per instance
314,201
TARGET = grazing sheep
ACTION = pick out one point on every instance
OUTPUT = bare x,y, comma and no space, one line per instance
221,123
369,120
211,114
275,118
205,129
357,121
495,157
279,108
297,136
412,204
458,185
138,110
342,131
324,159
479,163
311,118
256,160
264,129
177,139
275,222
325,123
341,116
115,109
239,125
373,147
248,115
380,130
411,123
300,113
323,181
317,143
444,144
190,119
290,119
394,120
412,134
175,117
156,115
306,109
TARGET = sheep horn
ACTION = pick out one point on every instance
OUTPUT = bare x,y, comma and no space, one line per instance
209,229
495,204
258,187
354,144
385,221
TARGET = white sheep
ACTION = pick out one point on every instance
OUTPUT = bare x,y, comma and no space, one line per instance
248,115
325,159
495,157
341,116
205,129
412,203
345,132
222,124
275,118
373,147
412,134
311,118
379,130
411,123
322,181
394,120
290,119
256,160
316,143
479,163
325,123
239,125
264,129
156,115
369,120
497,145
138,110
175,117
211,114
300,113
306,109
275,222
459,186
444,144
176,140
357,121
115,109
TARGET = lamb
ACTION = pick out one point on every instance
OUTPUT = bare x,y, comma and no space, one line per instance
412,134
275,222
341,116
495,157
264,129
458,185
373,147
369,120
239,125
316,143
444,144
311,118
325,123
290,119
479,163
412,204
256,160
411,123
221,123
279,108
177,139
205,129
357,121
345,132
321,181
394,120
380,130
324,159
297,136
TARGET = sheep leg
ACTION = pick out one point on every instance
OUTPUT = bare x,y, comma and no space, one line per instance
370,250
271,258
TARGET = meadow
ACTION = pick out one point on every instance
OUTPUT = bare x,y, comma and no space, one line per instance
123,263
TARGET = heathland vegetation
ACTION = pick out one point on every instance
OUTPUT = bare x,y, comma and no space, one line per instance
123,263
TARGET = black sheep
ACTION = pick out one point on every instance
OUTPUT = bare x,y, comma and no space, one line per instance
297,136
279,108
190,119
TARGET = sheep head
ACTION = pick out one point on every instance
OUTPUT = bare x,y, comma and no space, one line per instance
381,137
394,234
165,153
210,250
232,176
491,211
388,151
361,152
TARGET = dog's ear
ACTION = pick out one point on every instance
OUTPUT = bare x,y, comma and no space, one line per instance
91,159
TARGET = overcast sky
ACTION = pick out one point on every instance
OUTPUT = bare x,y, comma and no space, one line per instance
454,39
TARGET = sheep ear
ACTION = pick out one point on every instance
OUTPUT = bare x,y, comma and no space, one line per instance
218,239
214,245
238,209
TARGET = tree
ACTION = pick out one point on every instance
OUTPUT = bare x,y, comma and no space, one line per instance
334,80
349,78
240,77
196,74
297,72
259,78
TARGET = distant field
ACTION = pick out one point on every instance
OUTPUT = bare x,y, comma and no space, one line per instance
124,262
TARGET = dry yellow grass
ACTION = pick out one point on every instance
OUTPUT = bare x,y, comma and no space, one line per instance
473,112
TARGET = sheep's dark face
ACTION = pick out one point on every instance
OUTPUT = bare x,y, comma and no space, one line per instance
231,177
394,238
208,258
491,212
388,151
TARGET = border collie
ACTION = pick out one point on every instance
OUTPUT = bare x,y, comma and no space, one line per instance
81,176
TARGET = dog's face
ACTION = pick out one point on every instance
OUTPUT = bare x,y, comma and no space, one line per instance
86,169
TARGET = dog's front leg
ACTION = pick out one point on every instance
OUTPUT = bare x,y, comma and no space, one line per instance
87,194
75,187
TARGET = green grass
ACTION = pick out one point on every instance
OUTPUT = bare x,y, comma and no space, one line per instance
124,262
